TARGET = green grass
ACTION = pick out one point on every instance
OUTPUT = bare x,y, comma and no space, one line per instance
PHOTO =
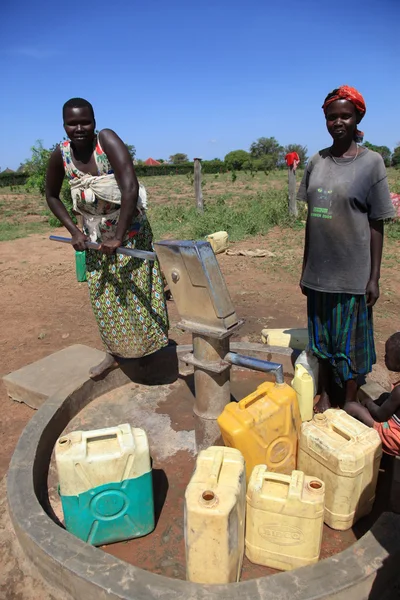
13,189
13,231
254,216
251,205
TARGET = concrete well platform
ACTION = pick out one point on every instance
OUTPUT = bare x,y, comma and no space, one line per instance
152,393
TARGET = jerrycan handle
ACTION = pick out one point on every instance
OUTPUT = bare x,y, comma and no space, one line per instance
337,428
249,400
215,469
295,482
106,433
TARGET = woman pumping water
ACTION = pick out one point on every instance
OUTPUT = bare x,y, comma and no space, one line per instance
127,294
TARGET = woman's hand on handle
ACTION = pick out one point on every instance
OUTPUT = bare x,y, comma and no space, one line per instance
110,246
78,240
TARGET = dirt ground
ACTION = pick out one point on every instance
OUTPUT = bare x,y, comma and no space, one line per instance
44,308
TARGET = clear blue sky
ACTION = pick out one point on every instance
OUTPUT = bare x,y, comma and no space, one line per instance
201,78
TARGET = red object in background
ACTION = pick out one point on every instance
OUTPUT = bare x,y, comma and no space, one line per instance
152,163
292,159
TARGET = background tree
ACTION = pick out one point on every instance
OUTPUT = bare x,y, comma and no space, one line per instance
36,167
131,150
384,151
301,151
160,160
396,156
268,147
179,158
235,160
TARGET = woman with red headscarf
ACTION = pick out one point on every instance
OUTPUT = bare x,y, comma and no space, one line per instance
346,189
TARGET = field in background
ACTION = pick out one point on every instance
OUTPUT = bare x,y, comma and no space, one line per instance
246,206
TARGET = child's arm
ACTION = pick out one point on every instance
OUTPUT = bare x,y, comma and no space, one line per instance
387,409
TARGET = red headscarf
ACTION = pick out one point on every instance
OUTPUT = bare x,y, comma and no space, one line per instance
345,92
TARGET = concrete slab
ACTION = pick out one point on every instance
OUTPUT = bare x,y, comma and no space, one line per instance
36,382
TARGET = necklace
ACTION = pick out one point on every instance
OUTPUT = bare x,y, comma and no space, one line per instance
347,163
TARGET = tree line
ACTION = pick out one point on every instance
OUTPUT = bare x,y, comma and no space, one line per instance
266,154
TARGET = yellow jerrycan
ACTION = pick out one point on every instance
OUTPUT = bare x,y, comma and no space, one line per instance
264,426
303,384
345,454
215,505
284,519
218,241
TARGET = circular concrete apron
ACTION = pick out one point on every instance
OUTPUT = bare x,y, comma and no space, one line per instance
368,569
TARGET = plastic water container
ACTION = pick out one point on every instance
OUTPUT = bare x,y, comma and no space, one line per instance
345,454
80,265
215,503
265,427
219,241
284,519
285,338
106,484
310,362
303,385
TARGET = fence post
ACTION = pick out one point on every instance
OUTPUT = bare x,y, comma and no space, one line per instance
292,190
197,185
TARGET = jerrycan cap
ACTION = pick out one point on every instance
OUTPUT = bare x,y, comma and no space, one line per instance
320,418
64,441
208,498
315,486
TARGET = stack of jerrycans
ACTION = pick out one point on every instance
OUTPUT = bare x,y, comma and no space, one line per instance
215,502
345,454
106,484
265,427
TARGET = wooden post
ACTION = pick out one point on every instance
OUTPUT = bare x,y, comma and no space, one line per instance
292,191
197,185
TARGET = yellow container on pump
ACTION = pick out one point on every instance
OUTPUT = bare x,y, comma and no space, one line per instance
264,426
284,519
215,504
218,241
345,454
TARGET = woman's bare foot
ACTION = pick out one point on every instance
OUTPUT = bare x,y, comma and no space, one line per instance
108,363
323,403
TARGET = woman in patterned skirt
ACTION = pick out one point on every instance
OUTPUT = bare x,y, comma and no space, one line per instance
127,294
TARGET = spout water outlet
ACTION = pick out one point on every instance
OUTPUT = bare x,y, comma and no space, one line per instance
256,364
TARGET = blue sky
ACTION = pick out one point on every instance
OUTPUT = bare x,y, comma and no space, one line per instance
203,78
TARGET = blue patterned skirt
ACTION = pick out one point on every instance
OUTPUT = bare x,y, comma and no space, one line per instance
340,331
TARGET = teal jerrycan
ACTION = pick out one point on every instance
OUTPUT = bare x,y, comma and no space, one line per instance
105,483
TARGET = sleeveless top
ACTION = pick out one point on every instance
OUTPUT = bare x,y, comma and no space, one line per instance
100,216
